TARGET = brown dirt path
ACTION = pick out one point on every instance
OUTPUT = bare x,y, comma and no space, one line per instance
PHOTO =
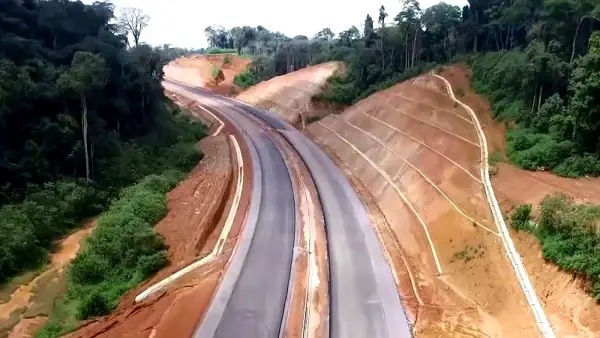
571,311
413,156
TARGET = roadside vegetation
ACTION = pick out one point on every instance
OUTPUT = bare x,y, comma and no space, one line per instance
568,234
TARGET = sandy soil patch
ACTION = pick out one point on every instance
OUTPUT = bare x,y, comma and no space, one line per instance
413,155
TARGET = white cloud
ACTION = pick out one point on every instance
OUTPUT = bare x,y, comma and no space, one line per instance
182,22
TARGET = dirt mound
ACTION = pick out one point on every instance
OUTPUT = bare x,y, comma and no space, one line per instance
290,95
571,311
197,70
414,154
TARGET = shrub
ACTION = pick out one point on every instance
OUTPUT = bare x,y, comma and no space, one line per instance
92,305
226,60
520,217
246,79
495,158
569,237
460,92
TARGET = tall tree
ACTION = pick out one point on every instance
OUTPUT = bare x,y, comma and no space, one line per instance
382,16
369,32
133,21
86,77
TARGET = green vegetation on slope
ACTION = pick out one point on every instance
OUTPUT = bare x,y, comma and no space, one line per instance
568,234
81,116
122,252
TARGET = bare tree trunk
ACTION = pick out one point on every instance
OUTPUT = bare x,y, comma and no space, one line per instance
534,95
84,128
414,47
540,97
577,32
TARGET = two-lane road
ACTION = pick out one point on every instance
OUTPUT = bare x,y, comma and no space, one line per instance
252,297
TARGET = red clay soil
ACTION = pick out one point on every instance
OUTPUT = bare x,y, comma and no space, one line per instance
571,311
196,70
197,211
413,156
289,96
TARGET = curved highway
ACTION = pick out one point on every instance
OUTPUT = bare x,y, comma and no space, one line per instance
251,300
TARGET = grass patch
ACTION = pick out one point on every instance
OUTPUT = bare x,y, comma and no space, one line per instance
469,253
568,234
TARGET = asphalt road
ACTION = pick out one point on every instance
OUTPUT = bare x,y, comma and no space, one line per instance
250,301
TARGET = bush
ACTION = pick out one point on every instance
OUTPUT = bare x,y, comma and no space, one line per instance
520,218
495,158
92,305
569,238
246,79
226,60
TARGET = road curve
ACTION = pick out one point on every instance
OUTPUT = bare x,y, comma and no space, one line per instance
251,299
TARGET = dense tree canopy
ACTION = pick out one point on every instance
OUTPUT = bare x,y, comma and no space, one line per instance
81,116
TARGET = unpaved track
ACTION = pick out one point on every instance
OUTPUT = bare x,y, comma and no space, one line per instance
252,298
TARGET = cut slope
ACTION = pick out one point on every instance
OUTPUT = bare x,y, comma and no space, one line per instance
289,96
197,70
415,155
571,311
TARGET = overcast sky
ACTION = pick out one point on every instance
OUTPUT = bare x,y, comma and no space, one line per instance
182,22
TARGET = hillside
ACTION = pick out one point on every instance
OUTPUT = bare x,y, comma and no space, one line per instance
290,95
569,307
197,70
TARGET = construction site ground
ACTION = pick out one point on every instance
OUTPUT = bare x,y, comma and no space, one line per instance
570,309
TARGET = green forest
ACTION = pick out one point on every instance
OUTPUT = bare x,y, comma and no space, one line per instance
537,61
83,116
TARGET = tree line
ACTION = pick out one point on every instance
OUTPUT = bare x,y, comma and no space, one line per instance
536,60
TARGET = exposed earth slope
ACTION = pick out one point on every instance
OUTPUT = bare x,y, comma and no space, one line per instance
197,70
289,96
571,311
414,155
